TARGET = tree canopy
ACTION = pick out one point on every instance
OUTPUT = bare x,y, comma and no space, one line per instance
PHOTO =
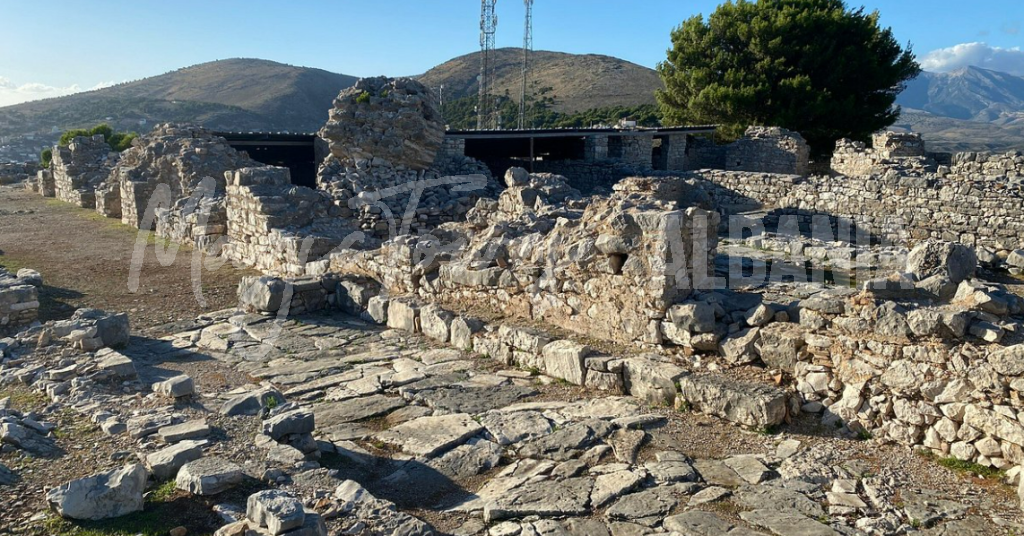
118,141
813,66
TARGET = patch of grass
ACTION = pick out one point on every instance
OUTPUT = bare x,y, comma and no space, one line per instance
26,399
684,407
964,466
162,493
767,430
864,435
162,512
534,371
927,454
363,98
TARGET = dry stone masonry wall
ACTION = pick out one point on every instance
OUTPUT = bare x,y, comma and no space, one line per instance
80,168
19,300
389,160
608,268
181,158
17,172
768,150
891,151
975,211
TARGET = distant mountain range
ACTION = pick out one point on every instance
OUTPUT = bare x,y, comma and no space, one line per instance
970,109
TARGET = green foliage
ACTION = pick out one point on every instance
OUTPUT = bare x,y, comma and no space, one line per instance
812,66
363,98
963,466
118,141
460,114
46,157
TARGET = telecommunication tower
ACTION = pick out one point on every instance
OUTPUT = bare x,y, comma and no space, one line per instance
527,48
488,27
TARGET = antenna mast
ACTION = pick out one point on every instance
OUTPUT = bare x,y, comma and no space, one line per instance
488,27
527,48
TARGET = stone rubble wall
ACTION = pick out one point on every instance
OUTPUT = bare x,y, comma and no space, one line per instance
108,199
178,156
925,377
983,166
607,268
11,173
269,219
198,221
768,150
41,183
80,168
899,208
393,119
891,151
386,136
19,299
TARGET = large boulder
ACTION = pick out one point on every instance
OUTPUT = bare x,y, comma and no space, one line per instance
262,294
934,257
104,495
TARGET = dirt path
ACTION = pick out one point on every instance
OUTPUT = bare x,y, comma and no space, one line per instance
86,260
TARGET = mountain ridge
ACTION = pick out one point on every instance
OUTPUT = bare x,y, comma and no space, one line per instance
972,108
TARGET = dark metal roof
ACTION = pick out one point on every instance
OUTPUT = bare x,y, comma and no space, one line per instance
308,137
571,132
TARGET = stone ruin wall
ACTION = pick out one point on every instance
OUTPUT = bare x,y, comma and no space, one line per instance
906,375
890,151
269,219
606,268
17,172
977,212
19,300
386,135
43,184
768,150
191,163
80,168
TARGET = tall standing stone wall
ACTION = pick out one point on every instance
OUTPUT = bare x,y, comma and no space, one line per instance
80,167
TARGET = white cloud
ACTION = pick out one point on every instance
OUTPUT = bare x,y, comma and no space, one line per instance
1008,60
11,93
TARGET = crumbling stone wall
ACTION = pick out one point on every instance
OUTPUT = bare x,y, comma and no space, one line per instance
45,185
769,150
891,151
108,199
900,208
11,173
983,166
276,227
932,376
80,167
19,299
388,157
608,268
180,157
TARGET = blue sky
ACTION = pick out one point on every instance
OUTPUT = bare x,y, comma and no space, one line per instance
57,46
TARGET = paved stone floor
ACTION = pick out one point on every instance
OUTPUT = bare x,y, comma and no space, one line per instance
471,448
